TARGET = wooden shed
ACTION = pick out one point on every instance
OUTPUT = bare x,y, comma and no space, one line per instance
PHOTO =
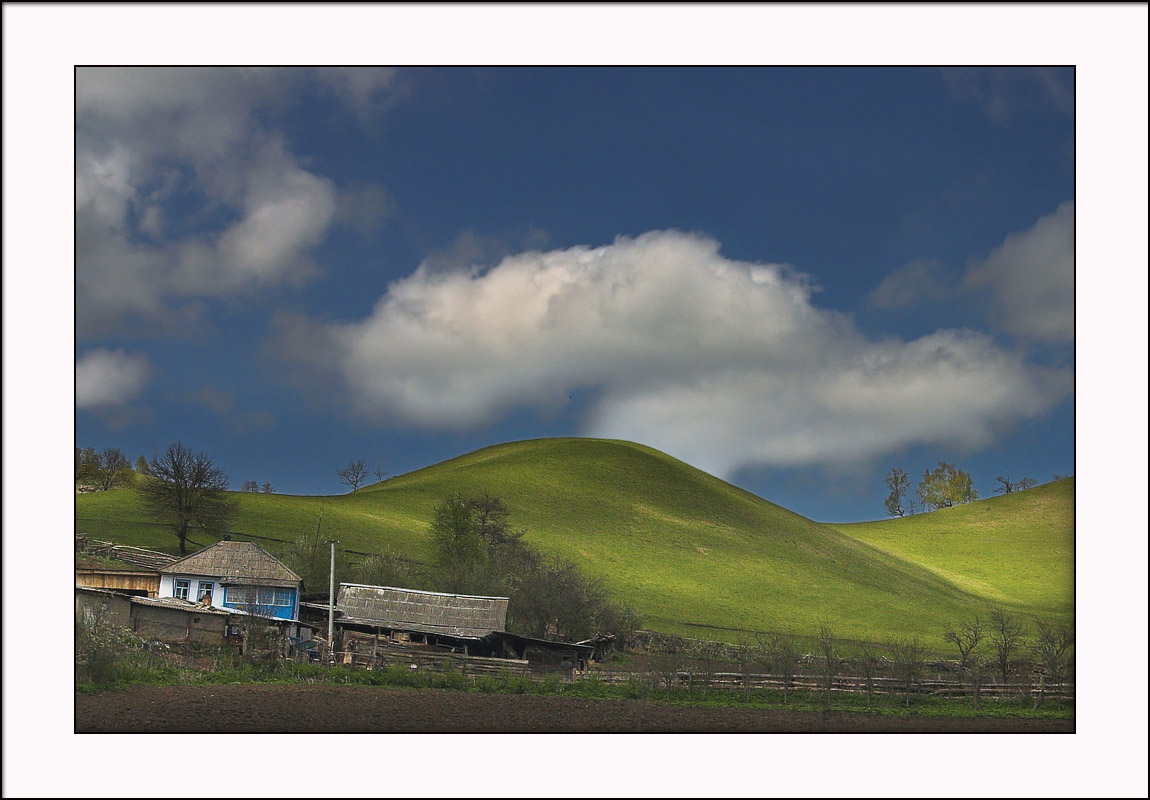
129,570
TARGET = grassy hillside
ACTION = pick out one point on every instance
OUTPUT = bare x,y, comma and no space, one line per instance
1017,549
695,555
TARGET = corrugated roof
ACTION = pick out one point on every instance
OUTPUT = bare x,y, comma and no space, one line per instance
465,616
235,563
178,604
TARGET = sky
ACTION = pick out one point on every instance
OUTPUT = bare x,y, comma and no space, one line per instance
795,279
251,241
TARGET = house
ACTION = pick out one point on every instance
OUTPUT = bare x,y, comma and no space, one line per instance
236,577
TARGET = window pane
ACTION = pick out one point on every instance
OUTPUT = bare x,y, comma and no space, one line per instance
181,590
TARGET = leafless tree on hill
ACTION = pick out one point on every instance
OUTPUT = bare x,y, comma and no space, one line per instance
354,474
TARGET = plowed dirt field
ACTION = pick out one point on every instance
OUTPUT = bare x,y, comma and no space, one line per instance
358,709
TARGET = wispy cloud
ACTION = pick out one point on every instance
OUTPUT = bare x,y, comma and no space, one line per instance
920,281
1003,92
1030,279
109,378
722,363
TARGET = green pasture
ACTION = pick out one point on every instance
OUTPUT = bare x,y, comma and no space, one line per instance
1017,549
695,555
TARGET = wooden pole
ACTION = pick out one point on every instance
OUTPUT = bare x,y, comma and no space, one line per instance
331,600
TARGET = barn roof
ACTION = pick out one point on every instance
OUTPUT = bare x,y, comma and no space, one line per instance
459,615
235,563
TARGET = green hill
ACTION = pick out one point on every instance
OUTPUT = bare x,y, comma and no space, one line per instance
1017,549
692,553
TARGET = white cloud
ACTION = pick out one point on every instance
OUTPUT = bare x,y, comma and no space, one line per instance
184,191
723,363
1030,277
109,378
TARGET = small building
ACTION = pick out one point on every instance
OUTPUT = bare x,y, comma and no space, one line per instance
128,570
169,619
116,607
236,577
470,625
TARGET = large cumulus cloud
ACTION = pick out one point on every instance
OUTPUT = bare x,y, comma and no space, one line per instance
722,363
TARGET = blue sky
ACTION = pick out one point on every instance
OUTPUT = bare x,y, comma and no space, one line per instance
793,278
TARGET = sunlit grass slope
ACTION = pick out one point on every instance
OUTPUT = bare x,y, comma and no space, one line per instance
692,553
1017,549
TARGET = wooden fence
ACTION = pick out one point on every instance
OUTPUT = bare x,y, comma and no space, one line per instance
849,684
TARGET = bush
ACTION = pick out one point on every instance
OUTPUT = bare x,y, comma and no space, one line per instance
105,653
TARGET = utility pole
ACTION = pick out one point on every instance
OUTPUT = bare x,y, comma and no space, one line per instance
331,600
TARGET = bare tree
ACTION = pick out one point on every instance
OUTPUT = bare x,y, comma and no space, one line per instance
354,474
785,657
251,486
977,673
909,657
829,660
708,654
111,468
1009,486
1006,636
187,489
1053,641
667,659
870,661
267,488
966,637
899,484
379,473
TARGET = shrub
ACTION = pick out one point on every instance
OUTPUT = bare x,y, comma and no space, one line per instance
104,652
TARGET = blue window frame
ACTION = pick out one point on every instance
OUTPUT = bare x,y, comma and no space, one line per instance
205,588
181,589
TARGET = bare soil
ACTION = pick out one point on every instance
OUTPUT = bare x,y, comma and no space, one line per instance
361,709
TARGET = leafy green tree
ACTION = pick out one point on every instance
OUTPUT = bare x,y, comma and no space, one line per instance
899,483
386,568
186,489
86,464
460,552
945,486
141,466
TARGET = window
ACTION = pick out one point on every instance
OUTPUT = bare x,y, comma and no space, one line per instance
263,596
181,590
205,588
